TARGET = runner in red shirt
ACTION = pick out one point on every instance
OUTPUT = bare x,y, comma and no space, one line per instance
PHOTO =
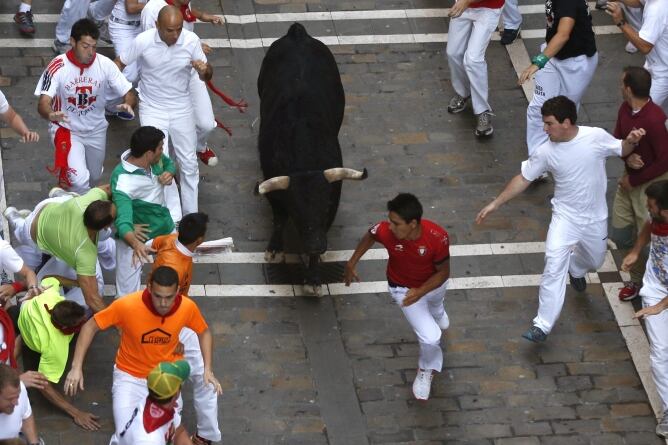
417,276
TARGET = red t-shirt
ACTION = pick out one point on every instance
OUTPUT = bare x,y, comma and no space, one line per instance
412,262
492,4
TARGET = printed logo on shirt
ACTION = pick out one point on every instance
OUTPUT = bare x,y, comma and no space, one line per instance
422,250
539,91
374,229
80,98
398,247
156,337
83,97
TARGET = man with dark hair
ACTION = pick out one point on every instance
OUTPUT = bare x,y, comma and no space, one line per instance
651,40
138,186
176,251
150,322
566,64
156,419
73,92
417,275
576,239
57,227
647,164
15,411
654,289
47,324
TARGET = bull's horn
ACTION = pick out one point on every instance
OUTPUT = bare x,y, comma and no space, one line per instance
341,173
273,184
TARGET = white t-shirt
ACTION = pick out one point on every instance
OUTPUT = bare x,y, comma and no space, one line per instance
134,432
120,12
655,280
578,169
10,261
165,70
10,424
149,15
655,31
4,105
82,95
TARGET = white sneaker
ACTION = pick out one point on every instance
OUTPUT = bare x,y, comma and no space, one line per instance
443,322
630,48
13,216
422,384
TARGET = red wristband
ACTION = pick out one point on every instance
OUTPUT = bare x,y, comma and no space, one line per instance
18,286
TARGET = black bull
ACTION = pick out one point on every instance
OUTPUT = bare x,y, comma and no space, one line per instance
301,110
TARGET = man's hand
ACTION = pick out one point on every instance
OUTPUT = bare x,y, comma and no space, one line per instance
6,293
527,74
200,66
210,378
87,421
141,232
628,261
634,161
142,254
58,116
206,49
624,183
350,274
179,349
73,382
650,310
34,379
412,296
29,136
165,178
458,8
217,19
635,135
489,208
615,11
126,108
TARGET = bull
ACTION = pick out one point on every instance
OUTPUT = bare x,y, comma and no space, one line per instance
301,111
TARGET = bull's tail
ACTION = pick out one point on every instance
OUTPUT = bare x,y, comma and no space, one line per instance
297,31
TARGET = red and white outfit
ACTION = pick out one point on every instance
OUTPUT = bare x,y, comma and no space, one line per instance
468,38
166,103
410,264
654,289
81,92
150,424
205,121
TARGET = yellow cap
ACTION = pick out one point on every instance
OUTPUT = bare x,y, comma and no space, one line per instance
165,380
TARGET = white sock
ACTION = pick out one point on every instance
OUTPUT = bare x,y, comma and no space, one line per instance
24,7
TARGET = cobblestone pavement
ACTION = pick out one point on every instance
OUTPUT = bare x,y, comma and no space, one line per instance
339,370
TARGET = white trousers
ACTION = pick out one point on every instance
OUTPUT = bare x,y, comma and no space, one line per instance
569,248
205,121
179,126
468,38
128,275
122,37
569,77
657,331
659,90
512,17
422,316
74,10
86,158
205,397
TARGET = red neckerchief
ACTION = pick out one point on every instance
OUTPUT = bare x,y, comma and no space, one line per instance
69,330
185,11
146,298
10,337
72,58
659,229
156,416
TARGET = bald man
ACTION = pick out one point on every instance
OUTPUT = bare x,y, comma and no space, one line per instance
165,96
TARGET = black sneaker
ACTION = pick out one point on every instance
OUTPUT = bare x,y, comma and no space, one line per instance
579,284
535,334
24,20
508,36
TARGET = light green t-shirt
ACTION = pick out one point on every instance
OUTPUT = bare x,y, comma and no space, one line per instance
40,335
61,232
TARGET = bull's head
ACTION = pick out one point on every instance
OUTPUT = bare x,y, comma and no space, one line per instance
309,201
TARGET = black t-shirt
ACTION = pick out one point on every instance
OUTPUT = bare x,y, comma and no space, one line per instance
582,39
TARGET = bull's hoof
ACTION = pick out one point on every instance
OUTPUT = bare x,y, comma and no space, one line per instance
313,290
274,257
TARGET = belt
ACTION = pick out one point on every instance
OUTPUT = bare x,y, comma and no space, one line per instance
114,19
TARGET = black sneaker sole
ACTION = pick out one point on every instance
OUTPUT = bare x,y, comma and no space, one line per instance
484,134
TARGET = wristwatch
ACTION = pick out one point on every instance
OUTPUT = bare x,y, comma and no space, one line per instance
621,23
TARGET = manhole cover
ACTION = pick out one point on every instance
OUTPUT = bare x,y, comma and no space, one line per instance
282,273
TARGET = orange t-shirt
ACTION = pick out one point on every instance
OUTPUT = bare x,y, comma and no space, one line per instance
170,252
148,339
